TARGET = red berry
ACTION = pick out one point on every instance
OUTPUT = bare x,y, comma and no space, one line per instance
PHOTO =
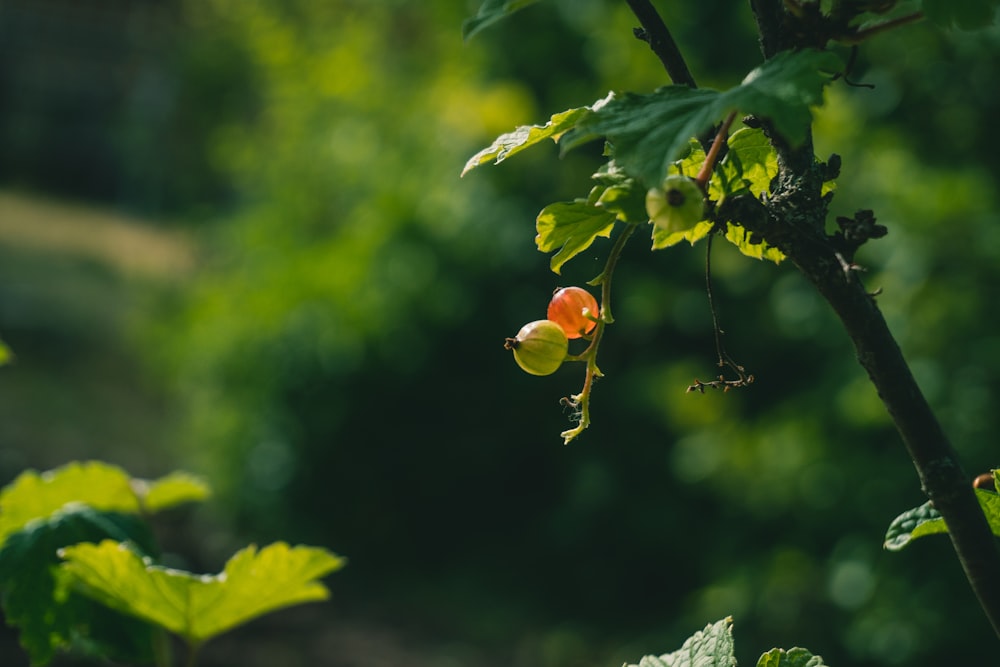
575,310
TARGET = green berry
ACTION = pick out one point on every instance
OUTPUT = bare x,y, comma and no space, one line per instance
540,347
676,207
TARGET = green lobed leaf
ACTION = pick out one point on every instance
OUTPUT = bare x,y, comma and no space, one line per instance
750,163
104,487
48,617
648,132
925,520
962,14
571,227
711,647
794,657
490,12
195,607
34,495
523,137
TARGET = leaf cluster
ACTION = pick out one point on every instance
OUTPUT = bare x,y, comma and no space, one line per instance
77,567
713,647
650,136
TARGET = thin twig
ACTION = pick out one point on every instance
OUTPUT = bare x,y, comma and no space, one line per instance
724,359
879,28
655,33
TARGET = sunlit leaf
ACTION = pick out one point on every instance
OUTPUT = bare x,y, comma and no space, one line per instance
104,487
750,161
711,647
925,520
34,495
963,14
571,227
663,238
195,607
5,354
648,132
523,137
174,489
490,12
794,657
755,248
47,617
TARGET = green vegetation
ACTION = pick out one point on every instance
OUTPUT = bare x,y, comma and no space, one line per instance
329,353
75,535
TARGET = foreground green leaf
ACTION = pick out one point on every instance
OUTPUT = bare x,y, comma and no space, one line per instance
925,520
648,132
571,227
194,607
711,647
794,657
5,354
34,495
104,487
49,619
490,12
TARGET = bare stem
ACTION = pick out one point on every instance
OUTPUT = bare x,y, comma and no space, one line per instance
655,33
705,173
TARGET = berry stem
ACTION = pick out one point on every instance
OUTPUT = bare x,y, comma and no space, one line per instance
581,401
705,173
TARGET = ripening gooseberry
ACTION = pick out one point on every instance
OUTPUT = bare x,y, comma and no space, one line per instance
677,206
540,347
575,310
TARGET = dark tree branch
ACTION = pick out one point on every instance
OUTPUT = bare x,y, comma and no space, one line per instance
793,220
938,466
655,33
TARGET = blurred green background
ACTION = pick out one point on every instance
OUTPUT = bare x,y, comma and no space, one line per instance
233,240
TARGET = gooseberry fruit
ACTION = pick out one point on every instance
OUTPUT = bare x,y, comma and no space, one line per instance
575,310
540,347
677,206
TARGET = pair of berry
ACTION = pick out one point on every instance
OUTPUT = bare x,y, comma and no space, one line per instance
540,347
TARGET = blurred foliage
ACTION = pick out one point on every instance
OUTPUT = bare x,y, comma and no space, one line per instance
339,359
